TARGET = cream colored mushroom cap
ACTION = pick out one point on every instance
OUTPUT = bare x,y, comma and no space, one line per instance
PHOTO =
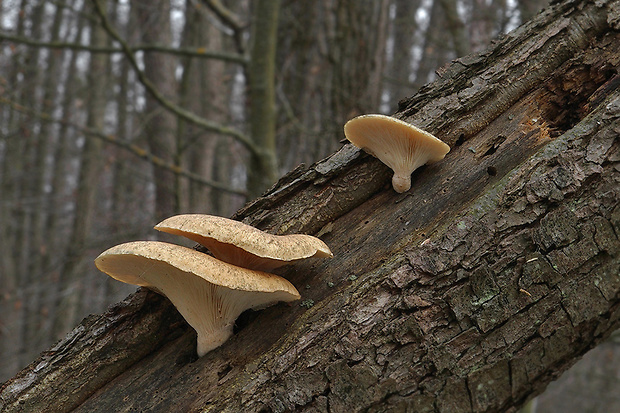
241,244
126,263
398,144
210,294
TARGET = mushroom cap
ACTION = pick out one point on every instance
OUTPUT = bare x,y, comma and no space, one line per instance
243,245
399,145
210,294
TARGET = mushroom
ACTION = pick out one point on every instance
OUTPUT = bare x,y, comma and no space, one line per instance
399,145
210,294
243,245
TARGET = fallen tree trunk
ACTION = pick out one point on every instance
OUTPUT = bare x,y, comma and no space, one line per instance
470,292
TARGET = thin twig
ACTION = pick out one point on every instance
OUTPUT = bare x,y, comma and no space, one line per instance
188,51
167,104
131,147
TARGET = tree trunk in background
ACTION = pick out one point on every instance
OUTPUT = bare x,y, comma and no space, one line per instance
303,86
69,300
12,309
263,165
57,223
434,49
357,56
127,192
26,181
159,124
24,191
205,89
482,28
121,178
456,27
468,293
331,55
41,241
529,8
399,85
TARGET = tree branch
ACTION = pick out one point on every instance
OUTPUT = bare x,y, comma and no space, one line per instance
166,103
187,51
128,146
229,19
226,15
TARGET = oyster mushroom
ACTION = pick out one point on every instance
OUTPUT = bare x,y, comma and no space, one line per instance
399,145
243,245
210,294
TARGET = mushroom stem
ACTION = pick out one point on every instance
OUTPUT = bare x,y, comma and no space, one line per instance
401,183
213,339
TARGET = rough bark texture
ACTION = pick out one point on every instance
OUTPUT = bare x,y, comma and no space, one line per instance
472,291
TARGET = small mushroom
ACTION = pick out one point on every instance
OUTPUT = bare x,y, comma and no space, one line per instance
399,145
243,245
210,294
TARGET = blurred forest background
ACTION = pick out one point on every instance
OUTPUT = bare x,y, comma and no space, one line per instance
117,114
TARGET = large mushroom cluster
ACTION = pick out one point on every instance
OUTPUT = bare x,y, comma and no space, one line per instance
210,292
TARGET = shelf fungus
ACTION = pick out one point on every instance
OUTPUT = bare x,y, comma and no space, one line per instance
210,294
399,145
243,245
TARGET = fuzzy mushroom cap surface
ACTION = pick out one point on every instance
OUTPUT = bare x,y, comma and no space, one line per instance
210,294
399,145
243,245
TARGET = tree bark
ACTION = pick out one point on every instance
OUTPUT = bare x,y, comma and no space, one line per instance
469,293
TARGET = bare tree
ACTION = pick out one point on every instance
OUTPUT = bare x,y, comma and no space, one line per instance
60,189
332,63
160,125
12,179
36,265
263,162
70,282
196,146
401,59
456,27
